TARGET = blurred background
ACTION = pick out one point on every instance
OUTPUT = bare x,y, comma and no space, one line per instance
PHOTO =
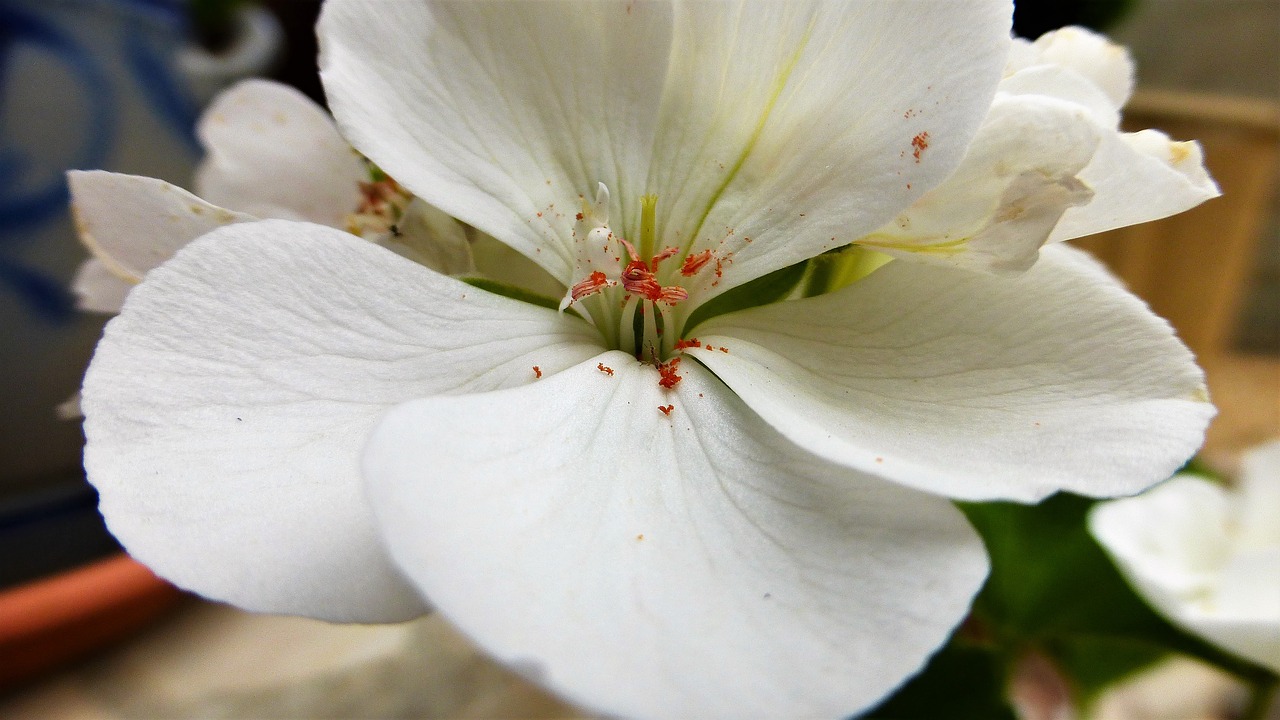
118,84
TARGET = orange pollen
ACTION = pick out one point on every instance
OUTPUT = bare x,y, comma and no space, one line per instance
666,410
604,369
920,143
669,377
690,343
537,372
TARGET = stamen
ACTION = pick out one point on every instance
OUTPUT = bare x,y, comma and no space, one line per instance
594,283
639,280
694,263
653,264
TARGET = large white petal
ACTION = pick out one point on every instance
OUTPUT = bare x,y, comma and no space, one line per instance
226,406
769,131
970,385
788,129
502,114
1015,182
273,153
694,564
132,224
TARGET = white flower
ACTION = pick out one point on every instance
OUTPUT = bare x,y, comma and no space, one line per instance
747,517
1205,556
270,153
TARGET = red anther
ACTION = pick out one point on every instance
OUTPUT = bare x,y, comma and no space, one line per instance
694,263
690,343
653,264
537,372
668,375
672,294
666,410
639,280
631,249
604,369
594,283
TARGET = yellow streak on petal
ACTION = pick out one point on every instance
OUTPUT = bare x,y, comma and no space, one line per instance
949,248
779,83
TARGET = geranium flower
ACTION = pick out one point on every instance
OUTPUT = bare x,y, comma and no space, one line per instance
649,510
1205,556
270,152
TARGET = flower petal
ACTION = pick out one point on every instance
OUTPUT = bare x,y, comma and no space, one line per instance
1258,507
501,114
132,224
691,564
1157,540
788,129
1063,84
1014,184
1087,54
226,406
430,238
970,385
1136,178
273,153
98,289
732,115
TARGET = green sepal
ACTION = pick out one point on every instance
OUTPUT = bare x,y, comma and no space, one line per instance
766,289
835,269
513,292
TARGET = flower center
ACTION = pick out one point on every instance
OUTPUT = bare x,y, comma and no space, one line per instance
382,205
629,292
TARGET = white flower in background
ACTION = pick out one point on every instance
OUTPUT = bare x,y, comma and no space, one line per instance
746,517
1205,556
270,153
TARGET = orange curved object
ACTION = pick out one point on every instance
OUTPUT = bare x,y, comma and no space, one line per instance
49,622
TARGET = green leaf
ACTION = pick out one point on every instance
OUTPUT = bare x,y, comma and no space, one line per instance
761,291
961,682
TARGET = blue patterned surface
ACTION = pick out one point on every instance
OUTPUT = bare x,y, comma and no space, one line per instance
107,53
